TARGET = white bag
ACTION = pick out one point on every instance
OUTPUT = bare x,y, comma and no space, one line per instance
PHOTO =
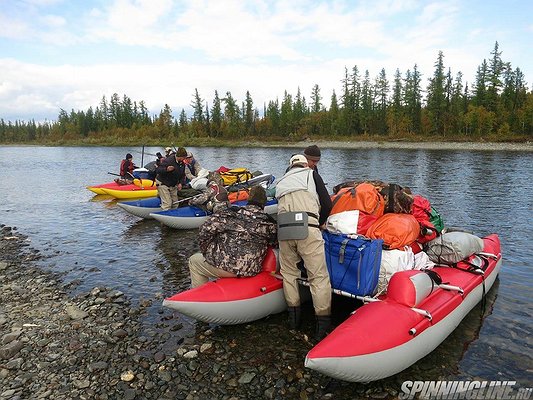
200,182
344,222
393,261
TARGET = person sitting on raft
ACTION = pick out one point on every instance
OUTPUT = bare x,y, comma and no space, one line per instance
234,241
215,196
126,170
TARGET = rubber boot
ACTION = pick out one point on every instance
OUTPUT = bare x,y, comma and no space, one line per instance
294,317
323,323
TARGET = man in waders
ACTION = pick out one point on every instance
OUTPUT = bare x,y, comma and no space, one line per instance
303,207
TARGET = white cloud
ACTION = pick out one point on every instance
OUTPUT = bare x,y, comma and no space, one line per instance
53,21
12,28
262,46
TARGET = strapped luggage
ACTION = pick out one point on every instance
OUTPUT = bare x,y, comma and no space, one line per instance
452,247
353,263
396,230
235,175
364,197
353,222
397,199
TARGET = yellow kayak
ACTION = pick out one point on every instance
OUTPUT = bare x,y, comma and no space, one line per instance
99,189
131,192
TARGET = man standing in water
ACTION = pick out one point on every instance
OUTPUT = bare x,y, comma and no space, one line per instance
303,206
170,178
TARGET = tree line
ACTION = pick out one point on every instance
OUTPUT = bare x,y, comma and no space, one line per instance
498,104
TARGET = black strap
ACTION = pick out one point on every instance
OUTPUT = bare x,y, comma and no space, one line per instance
390,198
313,215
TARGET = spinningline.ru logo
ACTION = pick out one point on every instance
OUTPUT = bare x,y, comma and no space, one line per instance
469,390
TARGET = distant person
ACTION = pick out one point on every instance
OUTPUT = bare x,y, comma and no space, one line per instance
234,241
193,167
301,190
152,166
126,168
170,178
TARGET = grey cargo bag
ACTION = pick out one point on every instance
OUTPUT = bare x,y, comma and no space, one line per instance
452,247
293,225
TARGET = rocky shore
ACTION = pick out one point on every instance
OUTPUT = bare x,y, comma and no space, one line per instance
93,345
405,144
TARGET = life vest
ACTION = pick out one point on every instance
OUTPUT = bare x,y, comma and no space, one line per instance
396,230
364,197
123,171
297,179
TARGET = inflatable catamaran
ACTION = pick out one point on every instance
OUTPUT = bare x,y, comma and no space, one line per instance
387,335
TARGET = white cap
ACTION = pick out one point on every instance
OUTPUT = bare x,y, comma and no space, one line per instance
298,159
168,149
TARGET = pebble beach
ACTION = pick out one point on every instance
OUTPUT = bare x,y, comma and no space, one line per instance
54,345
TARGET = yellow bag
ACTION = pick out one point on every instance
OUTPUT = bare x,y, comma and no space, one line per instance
235,175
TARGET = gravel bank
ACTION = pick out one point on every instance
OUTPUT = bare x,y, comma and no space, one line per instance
93,345
468,146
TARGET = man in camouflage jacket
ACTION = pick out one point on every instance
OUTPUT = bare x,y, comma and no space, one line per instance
215,196
234,241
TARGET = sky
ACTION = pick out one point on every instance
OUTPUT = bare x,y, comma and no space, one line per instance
68,54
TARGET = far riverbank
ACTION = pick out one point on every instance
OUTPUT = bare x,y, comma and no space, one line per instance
322,143
471,146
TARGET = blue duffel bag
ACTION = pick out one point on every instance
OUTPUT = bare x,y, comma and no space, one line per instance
353,264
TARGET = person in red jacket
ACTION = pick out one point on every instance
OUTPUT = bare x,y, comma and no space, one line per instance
126,168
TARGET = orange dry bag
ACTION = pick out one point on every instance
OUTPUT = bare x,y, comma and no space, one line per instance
364,197
396,230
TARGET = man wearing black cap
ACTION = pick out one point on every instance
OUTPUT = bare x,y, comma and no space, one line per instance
312,153
234,241
170,178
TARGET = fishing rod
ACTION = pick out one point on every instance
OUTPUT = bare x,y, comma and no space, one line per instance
138,152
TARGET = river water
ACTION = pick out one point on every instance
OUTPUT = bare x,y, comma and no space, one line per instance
95,243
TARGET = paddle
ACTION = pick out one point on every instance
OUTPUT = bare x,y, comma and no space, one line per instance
132,177
142,157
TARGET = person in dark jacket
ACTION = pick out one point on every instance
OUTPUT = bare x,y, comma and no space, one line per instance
152,166
234,241
312,153
170,178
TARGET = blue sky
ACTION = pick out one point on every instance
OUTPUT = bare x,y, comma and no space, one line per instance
68,54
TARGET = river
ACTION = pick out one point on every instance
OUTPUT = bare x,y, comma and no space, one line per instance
95,243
